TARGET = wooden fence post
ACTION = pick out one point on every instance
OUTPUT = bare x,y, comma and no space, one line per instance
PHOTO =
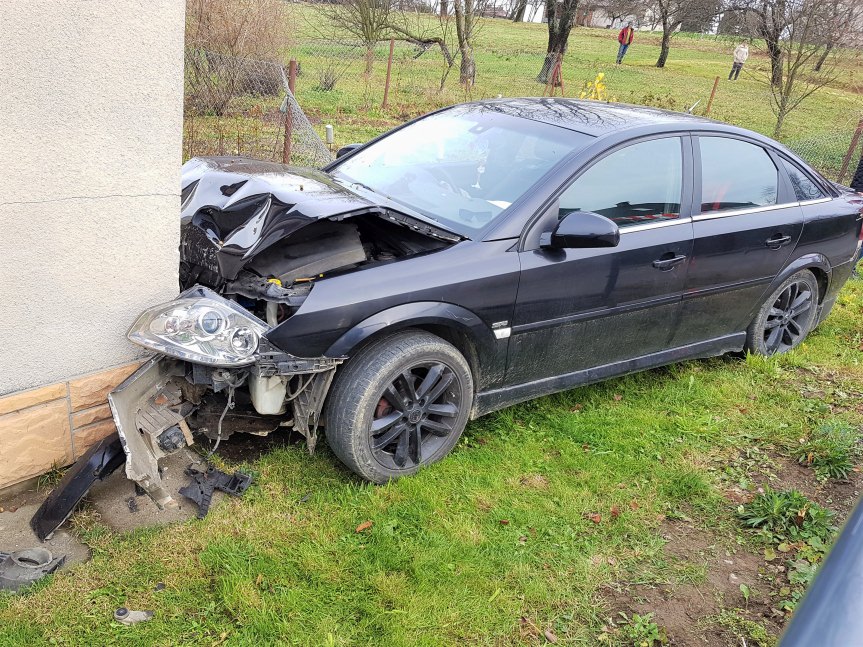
389,68
712,94
855,139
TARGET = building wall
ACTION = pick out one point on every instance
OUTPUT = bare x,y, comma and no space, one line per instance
90,130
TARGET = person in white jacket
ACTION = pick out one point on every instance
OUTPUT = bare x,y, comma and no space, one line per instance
741,53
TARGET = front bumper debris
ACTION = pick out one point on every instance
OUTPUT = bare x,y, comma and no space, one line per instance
153,409
146,406
99,462
22,568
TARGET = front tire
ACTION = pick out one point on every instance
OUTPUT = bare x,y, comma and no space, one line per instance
786,316
400,404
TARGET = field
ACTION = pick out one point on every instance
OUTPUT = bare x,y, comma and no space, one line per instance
508,58
616,514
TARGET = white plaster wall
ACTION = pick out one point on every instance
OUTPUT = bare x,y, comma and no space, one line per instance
91,102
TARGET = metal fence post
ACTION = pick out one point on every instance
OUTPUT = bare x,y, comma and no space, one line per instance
851,149
389,68
289,121
712,94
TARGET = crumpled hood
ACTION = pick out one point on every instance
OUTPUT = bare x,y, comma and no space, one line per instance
234,208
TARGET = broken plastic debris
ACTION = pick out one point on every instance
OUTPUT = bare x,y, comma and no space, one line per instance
203,484
129,617
22,568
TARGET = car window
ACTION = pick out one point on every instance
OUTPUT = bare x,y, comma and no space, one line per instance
804,187
736,175
635,185
462,167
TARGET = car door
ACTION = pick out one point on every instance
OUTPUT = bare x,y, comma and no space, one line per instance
747,224
582,308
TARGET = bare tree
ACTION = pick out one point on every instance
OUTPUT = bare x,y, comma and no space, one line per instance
560,15
620,10
467,13
771,21
454,32
839,27
802,44
366,20
671,14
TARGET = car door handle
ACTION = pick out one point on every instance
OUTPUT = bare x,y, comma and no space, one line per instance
777,241
666,264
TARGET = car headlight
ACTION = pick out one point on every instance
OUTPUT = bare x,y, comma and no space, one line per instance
202,327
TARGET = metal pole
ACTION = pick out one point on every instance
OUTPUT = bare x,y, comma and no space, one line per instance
853,147
389,68
289,121
712,94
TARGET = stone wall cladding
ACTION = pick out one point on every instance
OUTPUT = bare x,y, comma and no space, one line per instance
52,426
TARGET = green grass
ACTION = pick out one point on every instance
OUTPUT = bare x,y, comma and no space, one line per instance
502,529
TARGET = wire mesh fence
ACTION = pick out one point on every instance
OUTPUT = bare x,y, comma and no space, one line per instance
241,106
237,106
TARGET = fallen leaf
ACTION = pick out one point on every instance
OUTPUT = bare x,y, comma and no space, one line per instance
522,539
595,517
615,512
633,505
596,560
576,407
365,525
259,579
550,636
612,561
618,397
504,522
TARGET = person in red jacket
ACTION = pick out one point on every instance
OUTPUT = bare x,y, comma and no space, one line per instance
625,40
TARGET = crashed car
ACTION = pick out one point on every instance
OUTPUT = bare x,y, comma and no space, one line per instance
480,256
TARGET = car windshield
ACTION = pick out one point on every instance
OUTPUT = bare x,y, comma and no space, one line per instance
463,167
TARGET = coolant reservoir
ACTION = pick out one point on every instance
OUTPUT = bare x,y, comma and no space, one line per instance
268,394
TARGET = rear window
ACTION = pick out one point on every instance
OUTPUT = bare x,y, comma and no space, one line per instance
736,175
804,187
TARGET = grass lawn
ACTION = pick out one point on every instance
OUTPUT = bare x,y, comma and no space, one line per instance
550,516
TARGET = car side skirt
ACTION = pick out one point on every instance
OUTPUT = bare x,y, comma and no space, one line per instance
489,401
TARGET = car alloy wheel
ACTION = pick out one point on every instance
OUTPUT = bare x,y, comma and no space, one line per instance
398,405
788,318
414,415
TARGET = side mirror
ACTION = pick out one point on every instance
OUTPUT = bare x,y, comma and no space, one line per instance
581,229
344,150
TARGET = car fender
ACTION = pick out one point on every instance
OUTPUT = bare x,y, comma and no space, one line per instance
491,352
807,261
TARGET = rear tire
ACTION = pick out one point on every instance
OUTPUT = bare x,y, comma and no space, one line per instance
786,316
398,405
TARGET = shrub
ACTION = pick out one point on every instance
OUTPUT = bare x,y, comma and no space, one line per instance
789,515
830,450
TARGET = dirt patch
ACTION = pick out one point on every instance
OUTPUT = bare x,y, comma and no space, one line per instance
687,610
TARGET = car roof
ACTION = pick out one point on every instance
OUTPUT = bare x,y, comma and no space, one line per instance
595,118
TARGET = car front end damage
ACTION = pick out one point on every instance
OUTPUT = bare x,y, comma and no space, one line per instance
256,238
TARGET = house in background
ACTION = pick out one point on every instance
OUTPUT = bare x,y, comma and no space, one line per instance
91,129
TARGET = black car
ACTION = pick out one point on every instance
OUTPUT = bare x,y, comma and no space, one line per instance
477,257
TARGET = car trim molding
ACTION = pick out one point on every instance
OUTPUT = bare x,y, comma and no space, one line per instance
492,400
710,215
655,225
595,314
804,203
726,287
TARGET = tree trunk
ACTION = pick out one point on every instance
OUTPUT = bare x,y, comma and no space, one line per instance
775,51
560,16
518,13
823,57
370,58
467,68
666,45
444,8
